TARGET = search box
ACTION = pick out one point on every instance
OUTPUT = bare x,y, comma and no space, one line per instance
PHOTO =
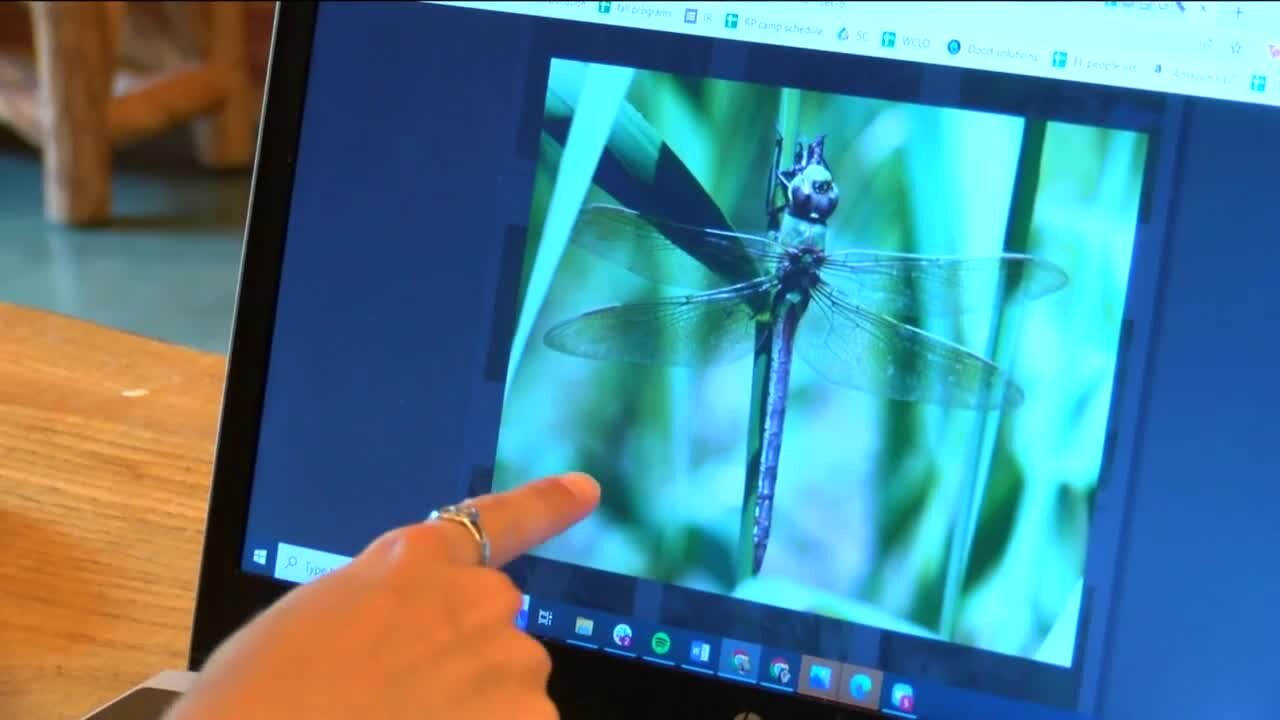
300,565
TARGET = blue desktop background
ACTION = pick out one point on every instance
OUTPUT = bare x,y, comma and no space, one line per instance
402,266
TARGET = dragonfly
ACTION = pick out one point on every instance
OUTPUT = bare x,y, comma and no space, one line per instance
852,316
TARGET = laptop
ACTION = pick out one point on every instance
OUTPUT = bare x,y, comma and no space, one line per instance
924,352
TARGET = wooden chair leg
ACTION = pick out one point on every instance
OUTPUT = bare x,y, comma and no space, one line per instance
225,138
73,70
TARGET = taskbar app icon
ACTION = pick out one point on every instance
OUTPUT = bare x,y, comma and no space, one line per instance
901,698
700,652
622,636
819,677
739,660
660,643
860,686
584,627
779,669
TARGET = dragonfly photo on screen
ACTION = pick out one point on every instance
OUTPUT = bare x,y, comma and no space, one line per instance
852,316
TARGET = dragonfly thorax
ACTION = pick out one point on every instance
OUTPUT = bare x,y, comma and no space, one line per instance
799,268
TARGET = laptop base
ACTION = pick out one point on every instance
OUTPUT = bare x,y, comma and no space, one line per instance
148,700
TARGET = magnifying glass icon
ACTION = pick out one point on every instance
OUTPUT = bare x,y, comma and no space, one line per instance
293,561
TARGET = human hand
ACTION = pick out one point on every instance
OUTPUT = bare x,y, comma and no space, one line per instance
410,628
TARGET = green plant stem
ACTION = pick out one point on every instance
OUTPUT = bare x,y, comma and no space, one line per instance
1017,239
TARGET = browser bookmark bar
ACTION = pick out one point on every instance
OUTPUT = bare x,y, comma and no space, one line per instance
1215,56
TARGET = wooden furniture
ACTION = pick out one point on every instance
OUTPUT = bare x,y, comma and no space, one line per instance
97,75
106,441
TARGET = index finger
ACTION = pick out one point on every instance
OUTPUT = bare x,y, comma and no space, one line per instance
517,520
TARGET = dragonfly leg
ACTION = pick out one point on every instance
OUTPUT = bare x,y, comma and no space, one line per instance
775,213
771,208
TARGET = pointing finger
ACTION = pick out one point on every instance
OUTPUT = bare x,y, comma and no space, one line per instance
517,520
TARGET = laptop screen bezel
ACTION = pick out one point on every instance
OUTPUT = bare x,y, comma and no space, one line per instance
226,596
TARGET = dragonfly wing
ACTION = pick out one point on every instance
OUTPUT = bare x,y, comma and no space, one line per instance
853,347
671,253
913,286
685,331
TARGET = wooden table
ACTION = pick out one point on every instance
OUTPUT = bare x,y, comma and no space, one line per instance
105,448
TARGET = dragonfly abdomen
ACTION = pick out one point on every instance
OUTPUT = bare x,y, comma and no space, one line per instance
788,311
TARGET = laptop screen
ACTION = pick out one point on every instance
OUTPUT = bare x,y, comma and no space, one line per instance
911,343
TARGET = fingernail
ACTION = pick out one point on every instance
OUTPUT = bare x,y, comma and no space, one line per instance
582,485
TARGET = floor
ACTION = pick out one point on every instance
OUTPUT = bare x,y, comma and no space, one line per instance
167,265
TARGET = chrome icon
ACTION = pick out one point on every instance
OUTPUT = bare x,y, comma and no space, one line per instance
953,47
780,671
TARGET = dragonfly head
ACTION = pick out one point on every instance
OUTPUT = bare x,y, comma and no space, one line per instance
812,194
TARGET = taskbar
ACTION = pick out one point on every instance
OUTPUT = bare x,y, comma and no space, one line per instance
776,669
